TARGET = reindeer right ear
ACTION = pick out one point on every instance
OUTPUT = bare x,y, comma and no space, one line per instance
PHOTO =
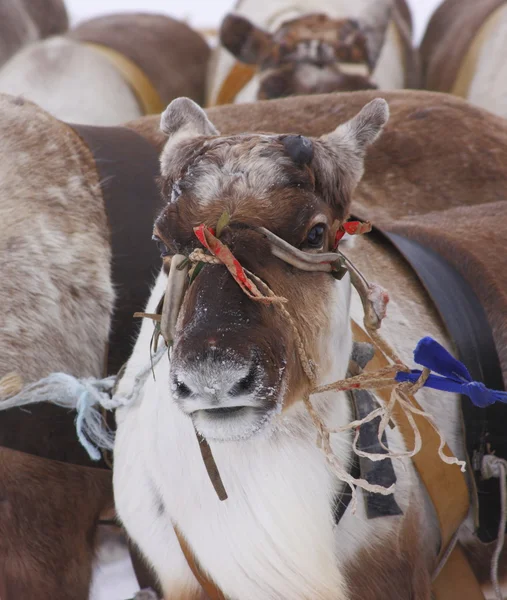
247,42
182,120
338,161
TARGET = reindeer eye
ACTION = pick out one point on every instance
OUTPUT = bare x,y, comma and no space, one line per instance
315,237
164,251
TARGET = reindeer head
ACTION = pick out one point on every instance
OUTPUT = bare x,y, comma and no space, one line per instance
309,55
235,361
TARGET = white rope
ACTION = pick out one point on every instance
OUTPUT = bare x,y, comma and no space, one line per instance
86,396
492,466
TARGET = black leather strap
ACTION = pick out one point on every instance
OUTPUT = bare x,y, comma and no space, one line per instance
128,167
468,327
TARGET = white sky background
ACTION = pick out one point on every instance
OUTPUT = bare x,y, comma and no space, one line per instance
206,13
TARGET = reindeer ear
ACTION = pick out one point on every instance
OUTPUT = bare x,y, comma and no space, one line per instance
183,119
247,42
184,116
363,129
338,162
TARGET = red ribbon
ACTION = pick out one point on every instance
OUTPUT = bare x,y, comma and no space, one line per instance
207,238
352,228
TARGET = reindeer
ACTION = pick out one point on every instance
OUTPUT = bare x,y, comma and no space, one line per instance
461,52
237,374
26,21
288,49
60,267
135,64
63,302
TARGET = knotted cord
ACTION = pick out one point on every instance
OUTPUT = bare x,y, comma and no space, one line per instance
376,297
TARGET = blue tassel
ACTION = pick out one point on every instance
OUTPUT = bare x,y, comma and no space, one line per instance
452,376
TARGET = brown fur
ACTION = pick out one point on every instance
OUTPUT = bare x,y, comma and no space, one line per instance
403,19
412,166
173,56
449,33
48,514
24,21
394,568
57,298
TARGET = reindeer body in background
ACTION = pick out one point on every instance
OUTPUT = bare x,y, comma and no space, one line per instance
135,63
236,375
310,48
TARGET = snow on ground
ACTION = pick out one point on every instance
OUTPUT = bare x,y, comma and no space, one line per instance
113,577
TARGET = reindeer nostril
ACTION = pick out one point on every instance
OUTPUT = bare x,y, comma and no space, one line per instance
182,388
245,384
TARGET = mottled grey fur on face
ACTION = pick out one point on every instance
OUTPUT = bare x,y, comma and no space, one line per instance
248,165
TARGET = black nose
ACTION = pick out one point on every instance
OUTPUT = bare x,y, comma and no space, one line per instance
246,384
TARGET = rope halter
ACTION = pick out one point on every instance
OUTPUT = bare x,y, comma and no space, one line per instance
374,298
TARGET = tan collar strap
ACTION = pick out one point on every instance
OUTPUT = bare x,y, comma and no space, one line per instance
147,96
237,78
446,484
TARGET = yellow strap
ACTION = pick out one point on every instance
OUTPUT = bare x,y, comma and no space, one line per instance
146,94
446,484
239,75
469,63
456,580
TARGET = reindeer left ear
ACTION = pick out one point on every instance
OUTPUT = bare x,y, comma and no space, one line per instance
338,161
185,116
363,129
182,120
247,42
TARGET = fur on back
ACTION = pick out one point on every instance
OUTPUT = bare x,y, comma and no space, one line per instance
25,21
172,55
73,82
55,289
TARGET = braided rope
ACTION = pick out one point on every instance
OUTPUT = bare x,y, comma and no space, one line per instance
381,378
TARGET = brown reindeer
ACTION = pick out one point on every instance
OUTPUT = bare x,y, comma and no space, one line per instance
235,373
62,308
25,21
286,48
135,64
69,236
462,49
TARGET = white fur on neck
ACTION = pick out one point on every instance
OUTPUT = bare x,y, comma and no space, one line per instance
274,536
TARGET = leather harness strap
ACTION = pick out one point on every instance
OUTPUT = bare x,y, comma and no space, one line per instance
147,96
128,167
446,485
457,581
468,327
437,476
237,78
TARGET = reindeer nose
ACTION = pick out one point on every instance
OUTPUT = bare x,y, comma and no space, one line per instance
214,382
